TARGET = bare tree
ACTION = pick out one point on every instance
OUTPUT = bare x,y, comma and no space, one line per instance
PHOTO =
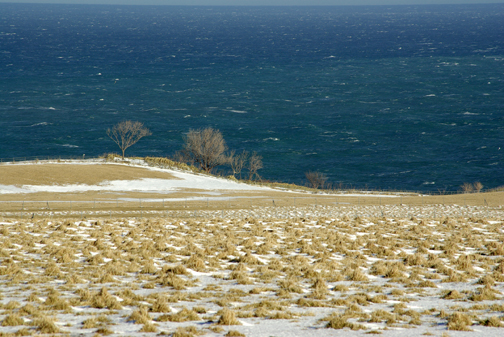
316,179
127,133
237,162
255,164
205,147
478,186
467,187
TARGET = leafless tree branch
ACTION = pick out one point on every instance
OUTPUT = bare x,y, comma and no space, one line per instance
238,162
316,179
127,133
206,147
255,164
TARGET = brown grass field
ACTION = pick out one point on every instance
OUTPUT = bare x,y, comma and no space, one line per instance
143,201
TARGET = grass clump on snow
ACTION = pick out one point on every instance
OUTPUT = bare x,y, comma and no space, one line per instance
234,333
46,325
228,317
341,322
13,320
459,321
187,331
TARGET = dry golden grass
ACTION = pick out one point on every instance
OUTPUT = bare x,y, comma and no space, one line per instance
66,174
13,320
152,268
228,317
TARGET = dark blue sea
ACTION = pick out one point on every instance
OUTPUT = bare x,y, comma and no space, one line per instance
381,97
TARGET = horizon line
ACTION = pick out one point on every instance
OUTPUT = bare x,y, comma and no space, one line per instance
250,5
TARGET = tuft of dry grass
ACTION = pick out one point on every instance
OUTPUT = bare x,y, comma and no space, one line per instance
493,321
452,295
90,323
228,317
358,276
183,315
104,331
234,333
483,294
459,321
161,305
13,320
46,325
140,316
195,263
341,322
190,331
148,327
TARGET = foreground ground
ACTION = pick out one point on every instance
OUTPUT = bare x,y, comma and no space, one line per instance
350,267
318,277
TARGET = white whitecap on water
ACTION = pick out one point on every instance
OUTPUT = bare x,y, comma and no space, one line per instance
39,124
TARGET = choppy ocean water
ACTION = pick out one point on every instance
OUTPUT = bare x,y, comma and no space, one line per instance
384,97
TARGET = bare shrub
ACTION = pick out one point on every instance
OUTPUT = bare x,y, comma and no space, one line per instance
205,147
238,162
127,133
478,186
316,179
467,187
255,164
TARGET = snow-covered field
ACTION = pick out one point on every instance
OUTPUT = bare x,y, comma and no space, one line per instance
312,270
317,276
183,180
